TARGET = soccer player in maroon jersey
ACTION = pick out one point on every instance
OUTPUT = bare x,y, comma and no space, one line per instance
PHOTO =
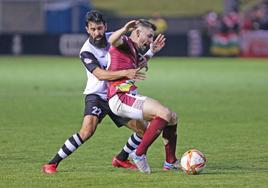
94,56
124,99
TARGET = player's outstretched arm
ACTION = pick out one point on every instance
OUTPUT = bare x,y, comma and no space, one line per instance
115,38
133,74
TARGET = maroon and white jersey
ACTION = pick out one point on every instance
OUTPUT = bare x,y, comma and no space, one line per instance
122,57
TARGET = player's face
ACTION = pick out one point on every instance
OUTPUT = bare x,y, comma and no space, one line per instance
145,37
96,32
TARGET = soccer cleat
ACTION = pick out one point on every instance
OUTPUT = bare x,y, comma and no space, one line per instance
123,164
141,162
49,168
171,166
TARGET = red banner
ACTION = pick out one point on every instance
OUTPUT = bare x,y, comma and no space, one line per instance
254,44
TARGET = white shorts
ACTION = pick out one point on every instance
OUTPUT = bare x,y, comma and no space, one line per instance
127,105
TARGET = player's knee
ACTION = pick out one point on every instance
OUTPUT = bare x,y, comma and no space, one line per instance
173,119
165,114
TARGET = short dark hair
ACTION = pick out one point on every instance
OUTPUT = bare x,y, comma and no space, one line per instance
147,23
94,16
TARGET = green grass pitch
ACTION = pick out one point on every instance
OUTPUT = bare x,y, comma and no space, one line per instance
222,104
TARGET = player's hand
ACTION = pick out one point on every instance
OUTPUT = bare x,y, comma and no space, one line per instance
143,62
131,25
139,76
135,74
158,43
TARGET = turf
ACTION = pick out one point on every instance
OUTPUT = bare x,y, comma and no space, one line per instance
222,104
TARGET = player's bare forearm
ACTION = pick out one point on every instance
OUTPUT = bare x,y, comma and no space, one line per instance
102,74
115,38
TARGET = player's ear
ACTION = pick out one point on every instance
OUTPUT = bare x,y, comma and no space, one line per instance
87,29
106,27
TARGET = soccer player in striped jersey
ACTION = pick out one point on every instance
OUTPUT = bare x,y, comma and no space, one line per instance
124,99
94,55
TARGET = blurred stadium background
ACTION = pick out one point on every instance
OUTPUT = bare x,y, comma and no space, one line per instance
211,28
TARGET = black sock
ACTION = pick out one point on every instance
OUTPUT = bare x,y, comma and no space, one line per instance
70,145
130,146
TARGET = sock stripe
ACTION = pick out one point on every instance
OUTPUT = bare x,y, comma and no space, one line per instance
73,142
133,141
126,149
66,150
70,146
131,147
61,154
136,137
78,139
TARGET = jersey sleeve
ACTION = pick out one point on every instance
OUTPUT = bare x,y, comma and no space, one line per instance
89,60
